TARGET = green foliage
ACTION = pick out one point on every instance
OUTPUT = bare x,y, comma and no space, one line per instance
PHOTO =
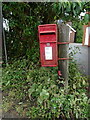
31,90
87,18
78,26
25,17
36,92
22,29
68,10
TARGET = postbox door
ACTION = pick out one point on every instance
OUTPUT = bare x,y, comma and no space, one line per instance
48,54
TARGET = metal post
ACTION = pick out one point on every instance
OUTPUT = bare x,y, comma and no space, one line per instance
0,33
5,47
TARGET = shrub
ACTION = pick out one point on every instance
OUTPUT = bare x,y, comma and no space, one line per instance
36,91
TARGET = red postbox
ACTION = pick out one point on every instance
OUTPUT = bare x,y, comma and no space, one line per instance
48,44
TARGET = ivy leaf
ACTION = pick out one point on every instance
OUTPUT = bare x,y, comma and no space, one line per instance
32,89
74,86
44,95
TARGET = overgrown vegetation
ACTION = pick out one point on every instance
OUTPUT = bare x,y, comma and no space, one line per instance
35,91
24,18
31,90
78,26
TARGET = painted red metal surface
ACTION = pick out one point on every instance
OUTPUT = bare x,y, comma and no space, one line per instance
59,73
64,58
48,44
61,43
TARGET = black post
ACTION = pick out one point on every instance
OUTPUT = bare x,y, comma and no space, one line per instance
0,33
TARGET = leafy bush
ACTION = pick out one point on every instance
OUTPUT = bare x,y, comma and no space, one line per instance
78,26
36,92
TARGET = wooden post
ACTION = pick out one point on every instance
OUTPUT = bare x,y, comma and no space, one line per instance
63,36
